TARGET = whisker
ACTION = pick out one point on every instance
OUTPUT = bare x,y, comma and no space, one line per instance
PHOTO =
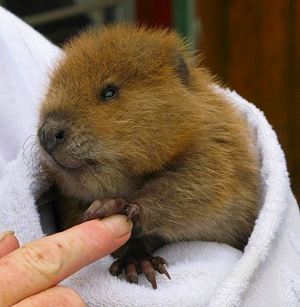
30,151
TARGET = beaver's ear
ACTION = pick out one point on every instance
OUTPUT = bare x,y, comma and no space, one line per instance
182,68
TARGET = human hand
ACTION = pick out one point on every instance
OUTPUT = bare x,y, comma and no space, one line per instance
30,274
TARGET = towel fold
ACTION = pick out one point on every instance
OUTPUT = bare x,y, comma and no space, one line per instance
203,273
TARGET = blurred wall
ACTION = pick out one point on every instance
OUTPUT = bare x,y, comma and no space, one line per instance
254,46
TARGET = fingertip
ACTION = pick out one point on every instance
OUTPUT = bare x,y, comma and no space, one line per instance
5,234
118,225
8,244
122,240
13,241
100,238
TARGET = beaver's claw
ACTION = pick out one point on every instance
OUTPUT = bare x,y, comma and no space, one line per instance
132,267
102,208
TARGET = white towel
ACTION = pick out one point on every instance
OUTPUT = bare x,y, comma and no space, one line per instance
203,273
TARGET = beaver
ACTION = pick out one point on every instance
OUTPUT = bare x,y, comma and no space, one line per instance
132,124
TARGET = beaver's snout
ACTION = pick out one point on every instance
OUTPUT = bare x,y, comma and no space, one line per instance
66,147
51,134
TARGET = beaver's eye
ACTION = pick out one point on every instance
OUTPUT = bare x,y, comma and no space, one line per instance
110,92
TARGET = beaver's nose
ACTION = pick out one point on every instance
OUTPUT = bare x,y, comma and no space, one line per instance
50,136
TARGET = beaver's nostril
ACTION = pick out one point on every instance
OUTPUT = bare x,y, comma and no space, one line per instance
60,135
50,136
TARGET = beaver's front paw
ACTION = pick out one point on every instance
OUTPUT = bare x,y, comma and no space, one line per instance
102,208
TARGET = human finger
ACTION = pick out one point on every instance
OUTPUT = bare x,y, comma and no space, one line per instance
8,243
55,296
39,265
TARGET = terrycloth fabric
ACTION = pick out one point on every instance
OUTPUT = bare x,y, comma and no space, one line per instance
203,273
24,63
25,59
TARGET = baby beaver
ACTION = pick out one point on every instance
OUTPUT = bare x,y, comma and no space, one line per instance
131,125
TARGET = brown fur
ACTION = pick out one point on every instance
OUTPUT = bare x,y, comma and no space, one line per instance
168,142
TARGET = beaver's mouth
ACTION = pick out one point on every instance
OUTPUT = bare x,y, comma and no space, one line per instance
71,165
65,167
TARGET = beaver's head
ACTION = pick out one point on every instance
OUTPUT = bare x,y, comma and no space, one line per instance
118,107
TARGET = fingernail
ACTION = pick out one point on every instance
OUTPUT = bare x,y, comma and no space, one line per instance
118,225
5,234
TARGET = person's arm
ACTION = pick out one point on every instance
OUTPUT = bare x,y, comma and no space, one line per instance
30,274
